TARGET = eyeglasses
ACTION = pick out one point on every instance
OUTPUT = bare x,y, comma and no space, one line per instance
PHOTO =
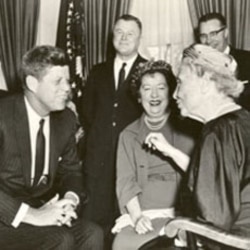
211,34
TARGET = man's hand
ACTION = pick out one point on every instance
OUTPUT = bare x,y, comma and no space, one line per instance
54,213
70,211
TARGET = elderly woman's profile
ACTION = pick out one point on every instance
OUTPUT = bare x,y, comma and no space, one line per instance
219,170
148,182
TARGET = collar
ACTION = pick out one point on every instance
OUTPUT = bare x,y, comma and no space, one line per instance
129,63
143,130
227,50
224,109
32,114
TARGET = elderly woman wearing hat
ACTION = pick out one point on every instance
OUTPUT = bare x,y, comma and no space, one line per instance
219,176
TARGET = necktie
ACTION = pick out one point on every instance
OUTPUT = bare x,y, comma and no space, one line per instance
121,75
40,153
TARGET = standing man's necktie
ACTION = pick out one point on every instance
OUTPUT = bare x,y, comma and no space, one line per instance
40,153
121,75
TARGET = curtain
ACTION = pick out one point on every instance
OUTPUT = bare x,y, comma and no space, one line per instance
167,29
48,21
18,28
100,16
236,12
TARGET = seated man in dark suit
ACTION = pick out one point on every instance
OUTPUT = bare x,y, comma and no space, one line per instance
213,32
41,188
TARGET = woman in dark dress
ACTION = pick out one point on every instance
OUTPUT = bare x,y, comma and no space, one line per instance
219,173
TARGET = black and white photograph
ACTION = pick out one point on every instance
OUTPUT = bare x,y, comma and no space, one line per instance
124,124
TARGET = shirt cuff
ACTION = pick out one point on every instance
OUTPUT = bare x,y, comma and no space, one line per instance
20,215
73,196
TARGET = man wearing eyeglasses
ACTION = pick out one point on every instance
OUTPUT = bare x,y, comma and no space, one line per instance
213,32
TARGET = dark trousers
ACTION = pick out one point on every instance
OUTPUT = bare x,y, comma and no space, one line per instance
83,235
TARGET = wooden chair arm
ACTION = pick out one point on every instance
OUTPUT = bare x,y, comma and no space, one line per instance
207,231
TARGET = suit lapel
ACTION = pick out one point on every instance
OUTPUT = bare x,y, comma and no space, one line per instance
111,77
132,70
54,138
23,137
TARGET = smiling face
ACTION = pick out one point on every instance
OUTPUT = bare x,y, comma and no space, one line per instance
126,37
212,33
154,96
53,89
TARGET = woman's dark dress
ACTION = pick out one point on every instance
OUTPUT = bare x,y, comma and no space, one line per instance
219,175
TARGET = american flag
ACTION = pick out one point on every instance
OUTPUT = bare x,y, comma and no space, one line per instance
75,46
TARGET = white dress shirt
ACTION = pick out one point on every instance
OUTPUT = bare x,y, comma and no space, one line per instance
34,124
117,66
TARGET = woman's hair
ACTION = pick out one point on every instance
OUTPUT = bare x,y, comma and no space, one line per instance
149,68
220,67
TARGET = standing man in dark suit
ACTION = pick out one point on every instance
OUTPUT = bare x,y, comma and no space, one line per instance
41,188
108,109
213,32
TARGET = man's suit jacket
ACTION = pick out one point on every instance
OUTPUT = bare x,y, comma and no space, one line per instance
107,112
15,158
242,58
